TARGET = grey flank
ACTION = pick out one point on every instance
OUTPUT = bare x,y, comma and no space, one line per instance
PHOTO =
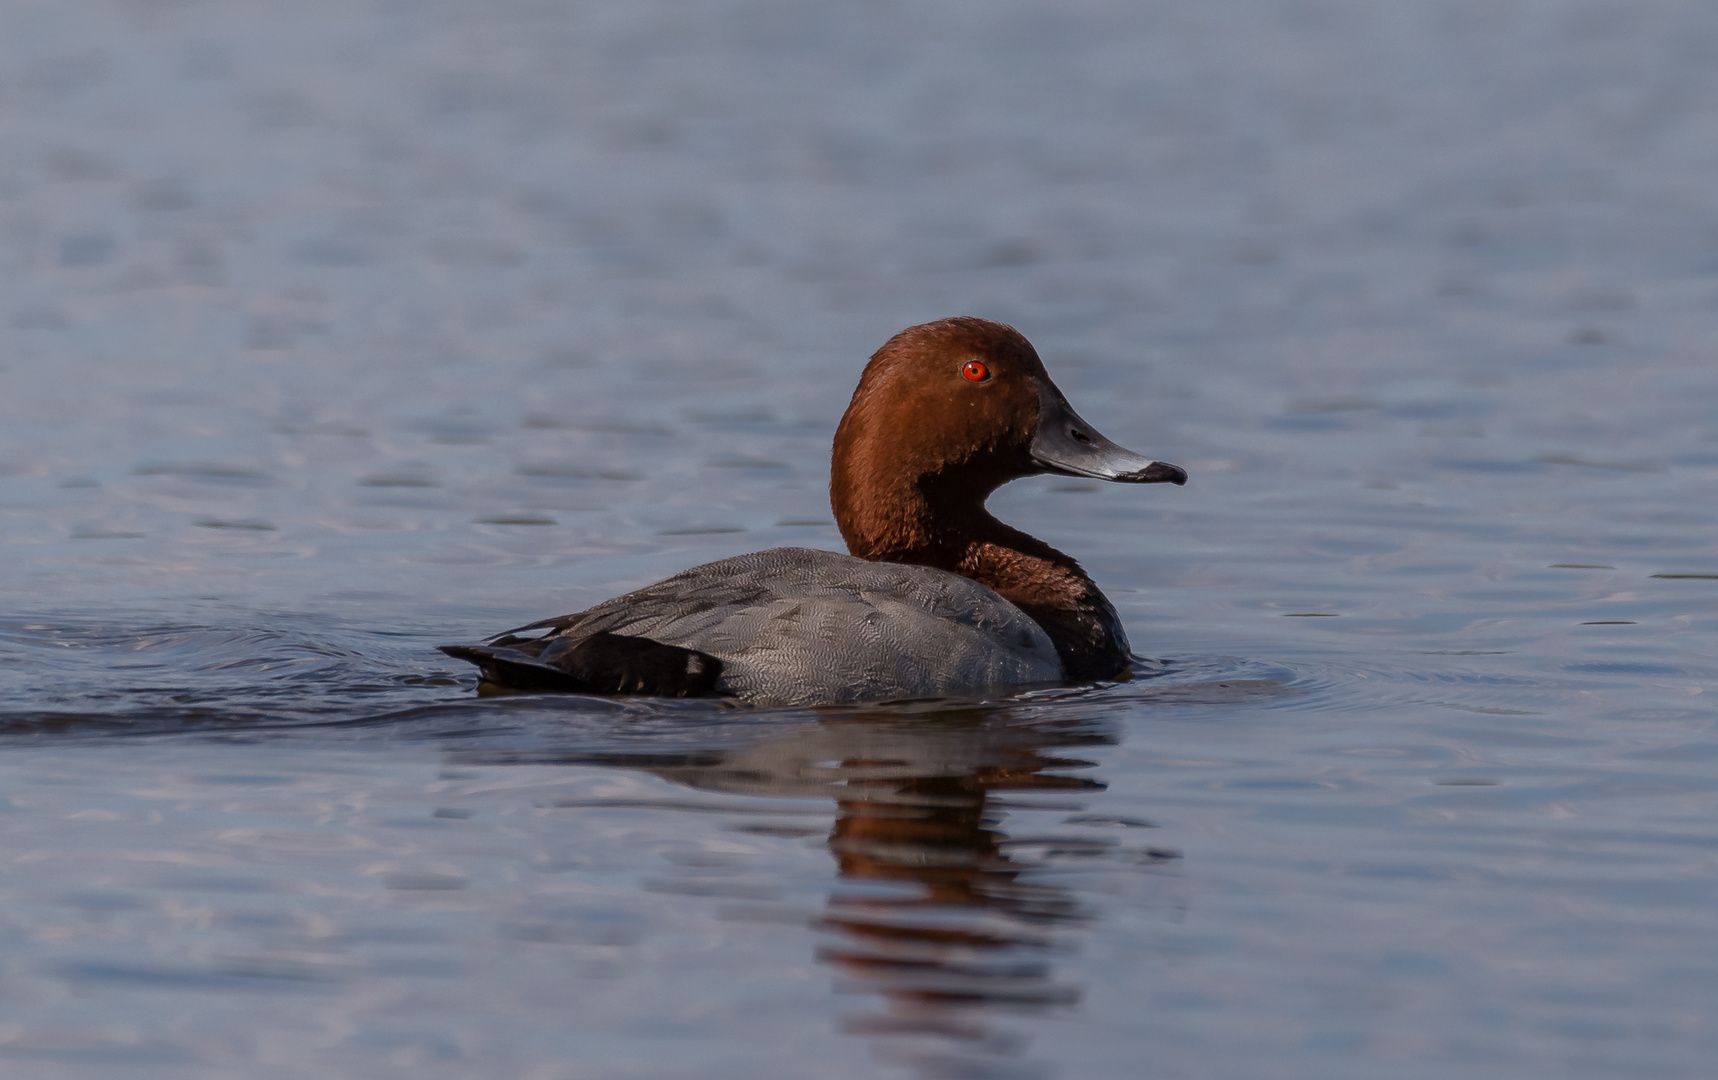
797,626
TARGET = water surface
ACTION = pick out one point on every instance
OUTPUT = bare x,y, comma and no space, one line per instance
330,332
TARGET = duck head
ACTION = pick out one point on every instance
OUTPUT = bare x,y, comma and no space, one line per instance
944,414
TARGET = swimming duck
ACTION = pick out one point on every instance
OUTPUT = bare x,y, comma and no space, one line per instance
937,599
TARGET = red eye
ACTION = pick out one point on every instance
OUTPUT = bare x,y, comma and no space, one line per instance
975,371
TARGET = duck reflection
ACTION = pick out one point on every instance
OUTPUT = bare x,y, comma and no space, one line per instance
949,923
939,833
968,935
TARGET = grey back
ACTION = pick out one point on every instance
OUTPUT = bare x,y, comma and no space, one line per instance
798,626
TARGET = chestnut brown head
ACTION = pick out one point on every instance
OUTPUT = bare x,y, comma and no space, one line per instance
948,411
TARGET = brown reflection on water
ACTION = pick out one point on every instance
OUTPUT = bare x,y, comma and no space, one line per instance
971,931
969,939
939,916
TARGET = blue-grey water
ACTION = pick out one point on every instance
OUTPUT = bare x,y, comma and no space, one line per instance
332,331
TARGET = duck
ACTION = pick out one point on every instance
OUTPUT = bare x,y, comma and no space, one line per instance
936,598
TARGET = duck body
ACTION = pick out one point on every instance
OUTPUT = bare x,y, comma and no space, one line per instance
799,626
937,599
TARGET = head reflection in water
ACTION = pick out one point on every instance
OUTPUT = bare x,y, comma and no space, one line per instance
970,932
940,916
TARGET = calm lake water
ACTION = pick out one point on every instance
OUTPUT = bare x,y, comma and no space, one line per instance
332,331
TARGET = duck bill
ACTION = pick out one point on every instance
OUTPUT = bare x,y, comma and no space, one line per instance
1068,445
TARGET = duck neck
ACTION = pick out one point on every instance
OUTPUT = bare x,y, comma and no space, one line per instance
960,536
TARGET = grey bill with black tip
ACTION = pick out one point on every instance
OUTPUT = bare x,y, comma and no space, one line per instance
1068,445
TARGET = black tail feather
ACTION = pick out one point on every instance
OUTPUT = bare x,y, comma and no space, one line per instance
602,663
510,669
